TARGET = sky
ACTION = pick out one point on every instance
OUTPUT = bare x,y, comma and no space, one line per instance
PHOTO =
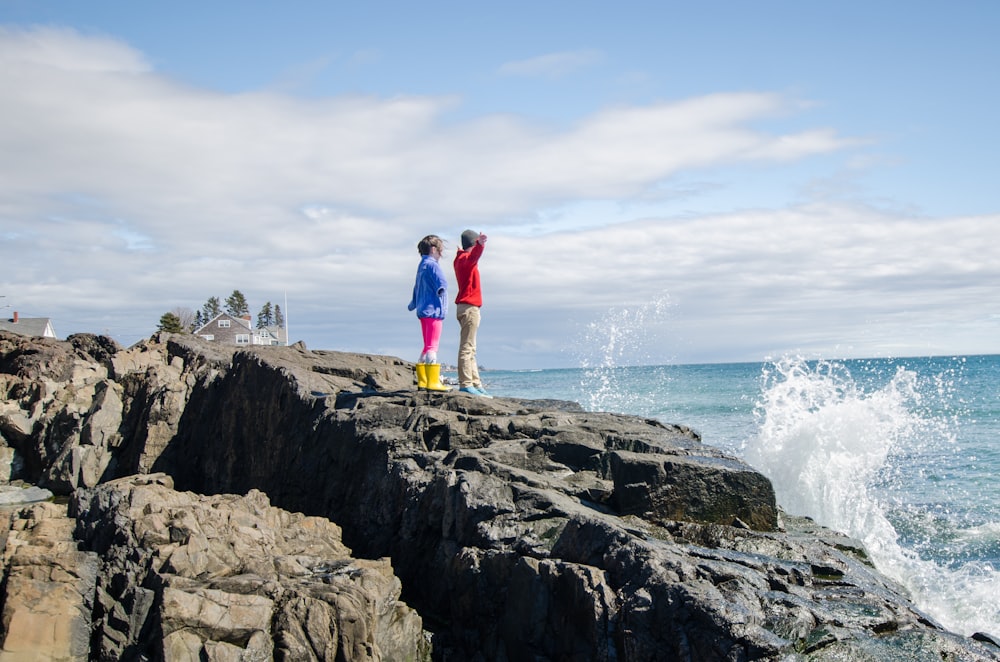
660,182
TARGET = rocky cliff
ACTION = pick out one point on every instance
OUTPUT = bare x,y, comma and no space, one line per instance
281,503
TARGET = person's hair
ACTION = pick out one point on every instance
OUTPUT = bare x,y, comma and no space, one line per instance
429,242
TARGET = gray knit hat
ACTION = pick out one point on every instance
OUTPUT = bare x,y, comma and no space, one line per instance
469,238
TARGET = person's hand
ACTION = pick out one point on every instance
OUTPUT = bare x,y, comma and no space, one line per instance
481,240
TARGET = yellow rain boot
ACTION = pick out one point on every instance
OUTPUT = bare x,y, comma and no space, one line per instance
434,377
421,375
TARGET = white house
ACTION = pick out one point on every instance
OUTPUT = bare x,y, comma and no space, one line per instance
230,330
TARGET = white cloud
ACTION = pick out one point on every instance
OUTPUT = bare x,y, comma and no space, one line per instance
126,195
124,137
810,278
552,65
66,50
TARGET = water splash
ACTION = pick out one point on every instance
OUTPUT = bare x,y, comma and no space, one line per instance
831,444
620,338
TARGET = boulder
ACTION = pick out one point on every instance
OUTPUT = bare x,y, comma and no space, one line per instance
188,577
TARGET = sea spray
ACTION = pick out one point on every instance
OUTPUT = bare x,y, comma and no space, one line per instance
619,339
829,441
822,442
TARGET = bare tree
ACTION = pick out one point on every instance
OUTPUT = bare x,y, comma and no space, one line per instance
186,317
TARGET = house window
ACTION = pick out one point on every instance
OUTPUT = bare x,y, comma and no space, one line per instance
223,324
242,338
208,336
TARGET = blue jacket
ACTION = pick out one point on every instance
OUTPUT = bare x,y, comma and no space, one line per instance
430,291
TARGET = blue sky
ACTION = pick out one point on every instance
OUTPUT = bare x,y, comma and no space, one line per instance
660,182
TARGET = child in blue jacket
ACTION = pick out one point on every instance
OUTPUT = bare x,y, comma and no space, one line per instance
430,300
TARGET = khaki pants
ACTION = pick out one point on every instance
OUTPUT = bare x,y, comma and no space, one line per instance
468,370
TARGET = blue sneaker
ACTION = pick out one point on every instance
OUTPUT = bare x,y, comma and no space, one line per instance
472,390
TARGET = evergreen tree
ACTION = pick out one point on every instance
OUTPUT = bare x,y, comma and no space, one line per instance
279,319
211,309
170,323
265,317
199,321
236,304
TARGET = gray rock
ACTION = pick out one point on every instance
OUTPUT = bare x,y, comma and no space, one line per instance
517,529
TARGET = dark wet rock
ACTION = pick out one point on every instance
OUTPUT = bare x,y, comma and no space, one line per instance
516,529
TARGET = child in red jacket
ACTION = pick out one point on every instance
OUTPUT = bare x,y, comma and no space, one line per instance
468,302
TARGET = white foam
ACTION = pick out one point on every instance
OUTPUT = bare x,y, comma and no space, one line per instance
827,446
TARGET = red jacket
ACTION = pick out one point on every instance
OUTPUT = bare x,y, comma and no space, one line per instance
467,274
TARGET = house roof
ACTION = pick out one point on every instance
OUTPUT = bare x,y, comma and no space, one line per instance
213,323
28,326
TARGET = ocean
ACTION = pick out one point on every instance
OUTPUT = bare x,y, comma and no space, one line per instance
900,454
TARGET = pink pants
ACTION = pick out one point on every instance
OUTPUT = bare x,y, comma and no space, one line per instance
431,329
